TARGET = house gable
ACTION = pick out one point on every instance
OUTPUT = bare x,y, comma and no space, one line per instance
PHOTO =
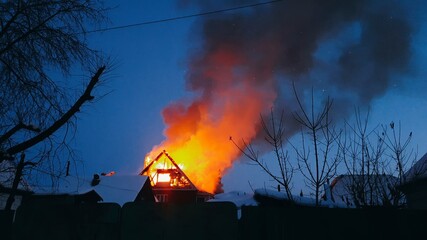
170,183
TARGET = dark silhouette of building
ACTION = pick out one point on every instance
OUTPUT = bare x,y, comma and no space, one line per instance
415,185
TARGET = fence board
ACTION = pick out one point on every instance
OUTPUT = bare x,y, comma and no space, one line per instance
46,221
208,221
323,223
169,221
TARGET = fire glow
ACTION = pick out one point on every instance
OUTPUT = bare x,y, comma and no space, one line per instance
197,133
165,172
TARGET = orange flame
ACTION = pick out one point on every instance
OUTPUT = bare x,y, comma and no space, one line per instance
197,134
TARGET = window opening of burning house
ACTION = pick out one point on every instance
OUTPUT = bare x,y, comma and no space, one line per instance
164,172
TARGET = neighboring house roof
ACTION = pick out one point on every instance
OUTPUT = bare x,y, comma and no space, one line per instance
270,196
346,189
415,183
117,189
418,171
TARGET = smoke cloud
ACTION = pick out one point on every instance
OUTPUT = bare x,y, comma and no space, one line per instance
369,41
247,60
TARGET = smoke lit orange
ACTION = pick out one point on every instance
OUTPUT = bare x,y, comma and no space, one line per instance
197,133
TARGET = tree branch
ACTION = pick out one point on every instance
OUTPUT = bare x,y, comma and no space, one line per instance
86,96
15,129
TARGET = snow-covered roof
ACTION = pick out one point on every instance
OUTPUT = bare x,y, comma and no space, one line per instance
345,187
238,198
419,170
247,199
116,188
302,201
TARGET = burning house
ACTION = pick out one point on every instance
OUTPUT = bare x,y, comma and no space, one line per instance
170,183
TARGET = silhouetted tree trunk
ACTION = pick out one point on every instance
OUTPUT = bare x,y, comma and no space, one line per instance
320,166
86,96
38,40
15,184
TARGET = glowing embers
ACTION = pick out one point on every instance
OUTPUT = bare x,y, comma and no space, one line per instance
165,173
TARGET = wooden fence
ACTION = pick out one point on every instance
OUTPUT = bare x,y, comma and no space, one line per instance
207,221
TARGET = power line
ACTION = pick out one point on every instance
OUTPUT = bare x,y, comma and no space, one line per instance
182,17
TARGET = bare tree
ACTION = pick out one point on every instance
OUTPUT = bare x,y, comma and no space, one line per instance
367,155
41,42
274,131
398,147
362,159
403,155
318,160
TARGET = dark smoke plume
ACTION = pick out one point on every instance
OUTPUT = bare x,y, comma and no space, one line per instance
248,59
348,50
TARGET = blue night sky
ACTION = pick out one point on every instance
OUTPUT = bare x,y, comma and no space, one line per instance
151,67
